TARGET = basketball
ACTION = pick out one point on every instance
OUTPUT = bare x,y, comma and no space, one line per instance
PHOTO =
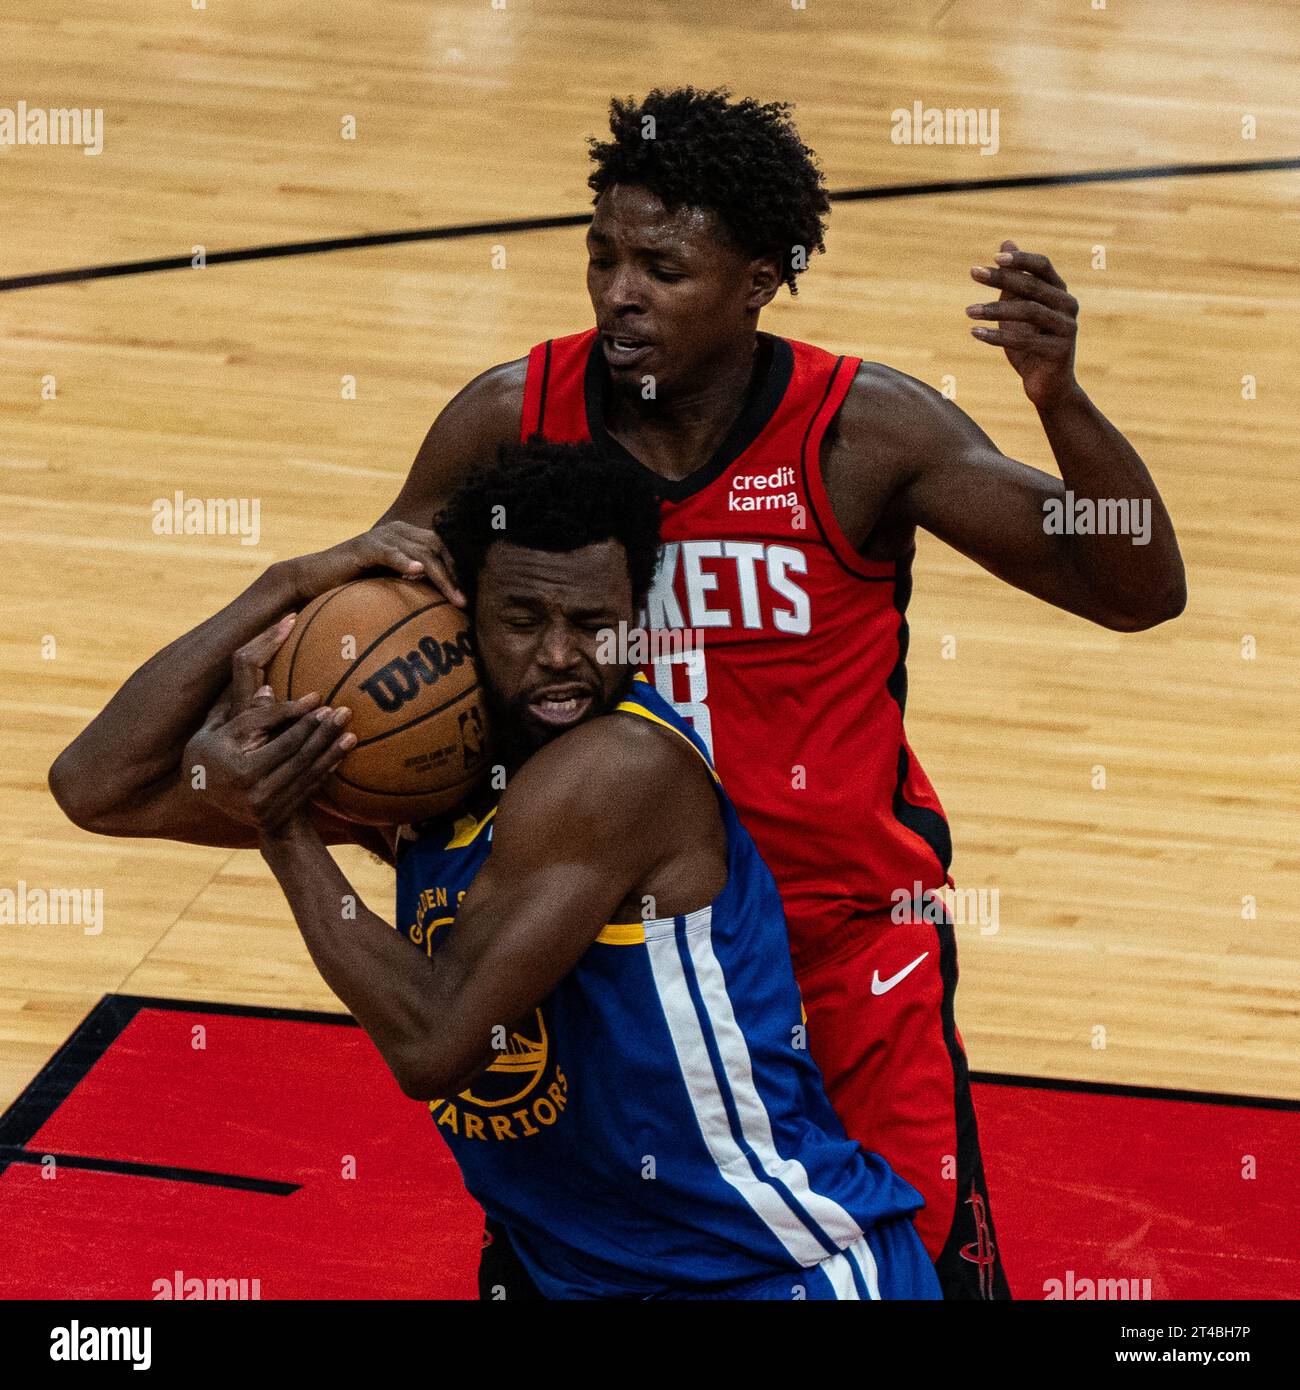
401,658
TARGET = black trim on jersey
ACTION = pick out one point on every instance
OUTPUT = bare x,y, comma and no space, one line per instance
540,428
807,489
766,391
921,820
803,463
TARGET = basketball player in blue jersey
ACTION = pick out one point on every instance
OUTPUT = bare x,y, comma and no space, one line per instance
590,983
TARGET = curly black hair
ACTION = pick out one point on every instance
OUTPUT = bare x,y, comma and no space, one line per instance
743,160
553,497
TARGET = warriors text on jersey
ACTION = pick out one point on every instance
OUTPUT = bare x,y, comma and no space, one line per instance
657,1127
791,651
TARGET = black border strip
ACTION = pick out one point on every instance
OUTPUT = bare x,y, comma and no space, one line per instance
64,1072
105,1022
89,1041
295,248
1116,1088
1145,171
580,219
203,1176
92,1038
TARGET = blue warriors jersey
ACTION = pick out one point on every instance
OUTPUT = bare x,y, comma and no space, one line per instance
657,1128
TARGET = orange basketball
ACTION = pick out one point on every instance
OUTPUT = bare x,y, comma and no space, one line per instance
401,658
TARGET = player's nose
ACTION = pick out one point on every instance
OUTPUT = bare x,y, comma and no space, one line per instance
558,649
624,291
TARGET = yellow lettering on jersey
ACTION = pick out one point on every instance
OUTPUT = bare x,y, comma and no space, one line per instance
542,1110
522,1117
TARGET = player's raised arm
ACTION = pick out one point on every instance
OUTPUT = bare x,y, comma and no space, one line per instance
1097,541
578,832
124,774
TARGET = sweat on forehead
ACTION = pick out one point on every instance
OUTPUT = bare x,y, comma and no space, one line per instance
638,209
597,572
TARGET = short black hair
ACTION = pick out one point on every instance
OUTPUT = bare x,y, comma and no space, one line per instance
553,497
743,160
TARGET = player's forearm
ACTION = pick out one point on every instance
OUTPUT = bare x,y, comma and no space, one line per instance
139,736
1113,524
393,990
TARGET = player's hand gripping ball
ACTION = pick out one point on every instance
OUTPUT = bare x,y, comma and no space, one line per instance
401,658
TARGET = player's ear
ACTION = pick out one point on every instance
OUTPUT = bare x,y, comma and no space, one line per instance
764,281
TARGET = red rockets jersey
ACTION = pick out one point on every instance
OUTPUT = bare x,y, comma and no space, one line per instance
782,646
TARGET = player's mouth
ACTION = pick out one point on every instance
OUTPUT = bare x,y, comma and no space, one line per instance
560,706
622,350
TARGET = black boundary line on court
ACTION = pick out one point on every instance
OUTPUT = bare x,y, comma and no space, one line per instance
203,1176
579,219
1117,1088
101,1028
89,1041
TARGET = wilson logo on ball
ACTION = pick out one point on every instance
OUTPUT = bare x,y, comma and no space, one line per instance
399,681
401,659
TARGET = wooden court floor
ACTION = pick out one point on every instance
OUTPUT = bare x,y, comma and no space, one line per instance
1147,930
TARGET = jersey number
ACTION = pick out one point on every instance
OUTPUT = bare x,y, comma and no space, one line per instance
694,681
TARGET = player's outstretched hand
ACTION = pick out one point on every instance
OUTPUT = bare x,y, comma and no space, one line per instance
262,759
410,551
1037,321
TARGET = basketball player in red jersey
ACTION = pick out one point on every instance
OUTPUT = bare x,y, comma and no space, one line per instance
793,483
